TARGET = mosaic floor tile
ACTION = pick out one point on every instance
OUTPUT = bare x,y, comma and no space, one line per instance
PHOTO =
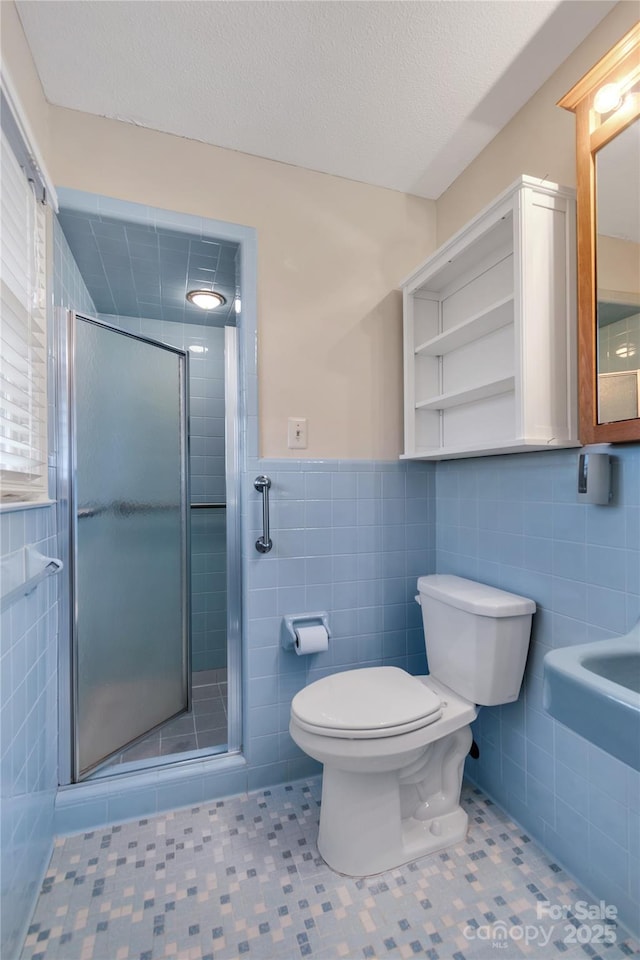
242,878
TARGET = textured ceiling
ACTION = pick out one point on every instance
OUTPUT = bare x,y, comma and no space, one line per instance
139,270
397,94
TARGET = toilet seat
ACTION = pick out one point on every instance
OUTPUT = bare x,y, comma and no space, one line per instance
366,704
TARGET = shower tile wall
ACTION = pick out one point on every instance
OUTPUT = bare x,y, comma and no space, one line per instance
209,584
139,266
69,289
619,345
208,527
514,522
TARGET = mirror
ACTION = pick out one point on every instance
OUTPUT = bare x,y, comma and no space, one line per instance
606,102
617,262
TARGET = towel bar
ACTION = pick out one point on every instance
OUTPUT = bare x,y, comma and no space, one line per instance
22,571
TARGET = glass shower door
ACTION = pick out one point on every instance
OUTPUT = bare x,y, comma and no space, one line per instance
131,587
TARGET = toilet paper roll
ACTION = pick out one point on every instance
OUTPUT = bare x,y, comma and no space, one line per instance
311,639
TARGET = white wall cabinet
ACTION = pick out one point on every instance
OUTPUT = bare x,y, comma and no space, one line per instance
489,332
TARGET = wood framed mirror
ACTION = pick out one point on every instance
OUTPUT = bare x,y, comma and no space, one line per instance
606,102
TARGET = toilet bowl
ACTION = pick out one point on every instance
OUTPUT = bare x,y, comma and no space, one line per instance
370,786
393,746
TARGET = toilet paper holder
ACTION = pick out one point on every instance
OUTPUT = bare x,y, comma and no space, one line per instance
293,620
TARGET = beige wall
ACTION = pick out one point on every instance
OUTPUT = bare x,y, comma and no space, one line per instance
539,140
16,58
331,253
618,269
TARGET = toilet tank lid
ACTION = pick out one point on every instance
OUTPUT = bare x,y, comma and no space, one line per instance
473,597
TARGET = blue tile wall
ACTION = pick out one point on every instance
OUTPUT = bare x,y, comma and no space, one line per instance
351,538
207,455
514,522
28,727
209,589
28,670
145,270
69,289
617,341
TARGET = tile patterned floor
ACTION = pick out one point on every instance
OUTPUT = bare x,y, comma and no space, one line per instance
241,878
203,727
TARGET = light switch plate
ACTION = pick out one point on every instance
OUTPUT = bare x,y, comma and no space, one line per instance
297,433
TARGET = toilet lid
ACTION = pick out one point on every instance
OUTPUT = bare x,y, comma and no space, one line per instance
369,702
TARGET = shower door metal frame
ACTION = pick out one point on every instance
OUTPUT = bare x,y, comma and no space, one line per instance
234,539
67,530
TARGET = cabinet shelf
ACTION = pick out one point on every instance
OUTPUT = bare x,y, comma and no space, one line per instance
492,318
496,303
457,397
486,449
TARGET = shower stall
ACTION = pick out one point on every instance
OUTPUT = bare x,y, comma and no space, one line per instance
151,548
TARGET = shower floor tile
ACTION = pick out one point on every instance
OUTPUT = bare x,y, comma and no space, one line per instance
204,726
242,877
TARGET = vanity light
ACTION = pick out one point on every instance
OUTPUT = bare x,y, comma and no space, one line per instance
607,99
198,348
206,299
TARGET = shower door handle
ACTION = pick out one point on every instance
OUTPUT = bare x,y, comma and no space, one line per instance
264,543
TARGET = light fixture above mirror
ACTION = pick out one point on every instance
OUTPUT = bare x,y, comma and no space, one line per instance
608,98
606,102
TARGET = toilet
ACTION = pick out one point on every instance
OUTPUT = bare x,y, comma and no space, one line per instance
393,745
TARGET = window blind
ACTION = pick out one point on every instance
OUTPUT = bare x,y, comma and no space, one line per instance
23,352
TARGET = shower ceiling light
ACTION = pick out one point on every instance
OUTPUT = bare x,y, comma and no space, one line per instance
206,299
626,350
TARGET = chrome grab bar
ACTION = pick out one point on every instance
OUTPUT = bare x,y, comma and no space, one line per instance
264,543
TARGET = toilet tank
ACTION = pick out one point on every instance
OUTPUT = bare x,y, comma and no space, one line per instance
477,637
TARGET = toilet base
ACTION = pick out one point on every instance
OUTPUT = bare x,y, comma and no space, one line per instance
419,838
372,822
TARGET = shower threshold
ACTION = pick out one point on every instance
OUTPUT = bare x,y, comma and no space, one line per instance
200,732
